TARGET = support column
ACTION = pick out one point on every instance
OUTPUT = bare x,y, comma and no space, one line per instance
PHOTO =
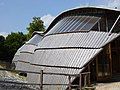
97,68
69,78
110,58
99,25
106,24
85,80
88,75
41,80
80,82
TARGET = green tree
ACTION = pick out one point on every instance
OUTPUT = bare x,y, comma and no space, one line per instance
12,43
36,25
2,38
2,48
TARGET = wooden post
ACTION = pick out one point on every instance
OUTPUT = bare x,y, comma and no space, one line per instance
110,58
89,82
80,82
89,75
106,24
97,68
85,80
99,25
69,77
41,80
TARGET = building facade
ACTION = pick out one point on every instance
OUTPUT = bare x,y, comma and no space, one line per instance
77,41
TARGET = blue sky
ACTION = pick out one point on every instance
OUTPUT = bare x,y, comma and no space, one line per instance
15,15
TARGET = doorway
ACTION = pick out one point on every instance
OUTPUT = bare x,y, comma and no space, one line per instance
115,50
103,64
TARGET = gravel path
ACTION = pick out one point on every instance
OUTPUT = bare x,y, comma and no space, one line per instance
14,77
108,86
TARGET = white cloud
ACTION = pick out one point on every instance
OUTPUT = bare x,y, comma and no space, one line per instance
106,4
114,3
47,19
4,34
111,4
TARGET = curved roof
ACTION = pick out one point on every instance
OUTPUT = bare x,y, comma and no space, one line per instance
38,32
34,40
81,10
91,39
74,49
28,47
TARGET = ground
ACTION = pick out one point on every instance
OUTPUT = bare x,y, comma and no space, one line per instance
108,86
13,77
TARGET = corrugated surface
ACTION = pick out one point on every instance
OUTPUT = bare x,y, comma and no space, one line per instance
90,44
16,58
69,57
22,66
51,79
35,40
26,57
27,48
92,39
112,37
55,87
31,77
62,57
23,53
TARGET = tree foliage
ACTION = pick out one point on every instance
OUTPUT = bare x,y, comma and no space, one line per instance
2,48
36,25
12,42
2,39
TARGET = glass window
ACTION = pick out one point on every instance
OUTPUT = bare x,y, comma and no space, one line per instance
64,23
58,25
78,22
86,19
68,28
71,27
68,23
74,23
90,23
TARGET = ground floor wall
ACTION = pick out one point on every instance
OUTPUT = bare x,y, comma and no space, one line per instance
107,63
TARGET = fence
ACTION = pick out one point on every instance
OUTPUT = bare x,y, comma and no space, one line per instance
85,76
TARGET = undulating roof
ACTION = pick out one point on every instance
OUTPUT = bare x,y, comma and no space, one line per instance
91,39
70,50
24,56
35,40
28,47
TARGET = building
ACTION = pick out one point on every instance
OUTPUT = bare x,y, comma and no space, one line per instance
77,41
24,56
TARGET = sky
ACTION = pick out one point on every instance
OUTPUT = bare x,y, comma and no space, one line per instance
15,15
